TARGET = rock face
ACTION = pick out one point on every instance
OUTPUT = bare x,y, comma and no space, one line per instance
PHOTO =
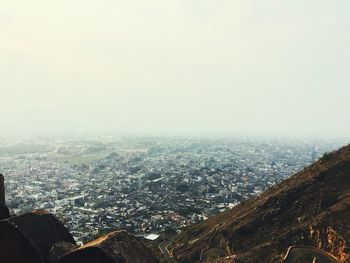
58,250
112,248
38,237
29,237
311,208
4,212
2,190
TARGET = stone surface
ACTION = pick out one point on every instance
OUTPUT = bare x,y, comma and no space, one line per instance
115,247
29,237
4,212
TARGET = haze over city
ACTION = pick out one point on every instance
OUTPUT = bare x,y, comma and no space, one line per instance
174,131
175,67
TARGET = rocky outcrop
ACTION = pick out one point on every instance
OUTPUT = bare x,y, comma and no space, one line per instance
29,237
115,247
4,212
38,237
311,208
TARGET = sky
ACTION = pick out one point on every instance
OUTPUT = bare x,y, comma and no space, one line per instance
269,67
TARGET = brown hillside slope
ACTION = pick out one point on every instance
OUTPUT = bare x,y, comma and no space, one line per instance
310,208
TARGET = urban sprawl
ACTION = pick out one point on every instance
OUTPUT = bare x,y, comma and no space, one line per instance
147,185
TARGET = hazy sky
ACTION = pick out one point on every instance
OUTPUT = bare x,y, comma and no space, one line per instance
175,66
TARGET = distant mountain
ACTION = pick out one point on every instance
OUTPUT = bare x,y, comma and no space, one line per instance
311,208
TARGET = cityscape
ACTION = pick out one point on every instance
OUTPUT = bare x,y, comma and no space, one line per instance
150,186
174,131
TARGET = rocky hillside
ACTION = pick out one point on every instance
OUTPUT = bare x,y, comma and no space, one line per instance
39,237
310,208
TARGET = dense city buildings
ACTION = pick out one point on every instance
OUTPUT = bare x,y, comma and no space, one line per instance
147,185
